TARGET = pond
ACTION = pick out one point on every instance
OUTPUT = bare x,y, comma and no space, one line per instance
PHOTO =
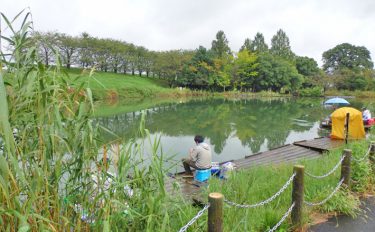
233,127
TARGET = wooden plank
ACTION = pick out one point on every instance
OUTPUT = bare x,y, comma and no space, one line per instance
285,156
292,150
289,153
273,151
185,188
293,158
275,159
322,144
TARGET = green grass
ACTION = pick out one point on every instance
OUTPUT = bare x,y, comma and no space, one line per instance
47,168
259,183
357,93
111,85
102,108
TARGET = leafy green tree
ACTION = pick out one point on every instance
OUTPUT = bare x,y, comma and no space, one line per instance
68,46
258,45
306,66
150,58
124,57
347,56
220,46
280,45
275,73
247,45
132,58
245,69
168,65
161,64
221,76
86,50
369,75
101,53
198,73
46,44
348,79
286,76
116,50
141,53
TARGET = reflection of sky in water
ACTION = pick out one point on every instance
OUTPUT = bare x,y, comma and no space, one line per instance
234,129
305,135
178,147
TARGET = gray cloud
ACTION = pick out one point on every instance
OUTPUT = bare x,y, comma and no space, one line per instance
313,26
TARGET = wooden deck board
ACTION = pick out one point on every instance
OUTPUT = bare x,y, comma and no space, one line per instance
322,144
276,158
294,153
289,153
186,187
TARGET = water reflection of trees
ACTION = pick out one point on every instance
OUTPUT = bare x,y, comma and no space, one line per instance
255,121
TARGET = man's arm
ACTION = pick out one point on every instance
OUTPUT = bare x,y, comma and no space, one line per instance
193,154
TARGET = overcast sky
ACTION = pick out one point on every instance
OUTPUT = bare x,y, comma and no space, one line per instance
313,26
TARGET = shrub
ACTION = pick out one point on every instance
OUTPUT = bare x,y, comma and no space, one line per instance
311,92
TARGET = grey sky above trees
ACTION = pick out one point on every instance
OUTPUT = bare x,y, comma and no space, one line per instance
313,26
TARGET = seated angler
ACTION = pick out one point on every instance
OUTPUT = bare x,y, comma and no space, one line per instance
199,156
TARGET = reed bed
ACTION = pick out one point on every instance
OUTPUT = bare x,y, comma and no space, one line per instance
52,175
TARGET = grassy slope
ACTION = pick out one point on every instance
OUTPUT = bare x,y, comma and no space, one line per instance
111,85
256,184
107,85
103,109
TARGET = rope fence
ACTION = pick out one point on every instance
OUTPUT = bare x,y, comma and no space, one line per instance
215,206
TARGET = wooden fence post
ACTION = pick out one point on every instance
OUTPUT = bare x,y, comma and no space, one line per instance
372,154
297,195
215,212
345,167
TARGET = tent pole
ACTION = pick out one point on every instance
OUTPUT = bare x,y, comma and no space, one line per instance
347,128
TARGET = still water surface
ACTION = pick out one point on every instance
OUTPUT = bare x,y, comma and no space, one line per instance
233,128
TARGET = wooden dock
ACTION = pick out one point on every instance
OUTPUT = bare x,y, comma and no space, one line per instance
320,144
306,149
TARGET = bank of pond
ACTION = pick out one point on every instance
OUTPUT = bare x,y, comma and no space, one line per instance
147,206
119,193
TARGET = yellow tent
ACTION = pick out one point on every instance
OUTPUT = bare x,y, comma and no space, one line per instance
356,129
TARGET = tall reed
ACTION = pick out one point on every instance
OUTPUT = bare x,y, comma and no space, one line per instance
52,176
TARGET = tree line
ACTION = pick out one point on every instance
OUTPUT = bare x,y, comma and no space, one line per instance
255,67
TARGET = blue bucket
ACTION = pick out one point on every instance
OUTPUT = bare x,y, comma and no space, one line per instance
202,175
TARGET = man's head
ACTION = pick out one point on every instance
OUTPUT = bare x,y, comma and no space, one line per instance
364,108
198,139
